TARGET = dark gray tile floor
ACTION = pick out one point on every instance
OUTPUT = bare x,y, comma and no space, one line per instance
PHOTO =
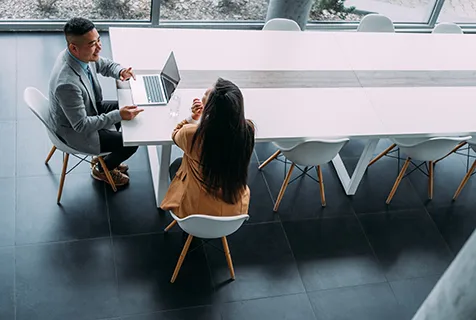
103,255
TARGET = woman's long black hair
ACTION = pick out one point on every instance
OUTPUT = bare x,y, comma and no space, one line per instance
226,141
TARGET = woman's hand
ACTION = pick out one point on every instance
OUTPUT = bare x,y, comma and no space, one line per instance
197,109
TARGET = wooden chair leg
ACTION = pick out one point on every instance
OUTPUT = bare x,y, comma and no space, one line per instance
283,188
321,186
173,223
274,156
228,257
52,151
397,182
431,166
63,176
465,180
181,258
382,154
108,174
454,150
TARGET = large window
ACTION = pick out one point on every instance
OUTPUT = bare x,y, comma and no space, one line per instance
411,11
65,9
250,13
212,10
458,11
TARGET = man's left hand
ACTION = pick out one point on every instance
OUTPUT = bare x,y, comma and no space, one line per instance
126,74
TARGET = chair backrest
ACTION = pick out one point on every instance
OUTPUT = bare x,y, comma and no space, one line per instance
447,27
281,24
40,106
429,149
210,227
375,23
314,152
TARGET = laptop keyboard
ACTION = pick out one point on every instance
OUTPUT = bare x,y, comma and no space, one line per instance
152,89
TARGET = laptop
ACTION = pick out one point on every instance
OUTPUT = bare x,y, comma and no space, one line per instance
156,89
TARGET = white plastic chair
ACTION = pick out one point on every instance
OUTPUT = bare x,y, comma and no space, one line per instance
375,23
423,149
207,227
39,105
447,27
309,153
472,145
281,24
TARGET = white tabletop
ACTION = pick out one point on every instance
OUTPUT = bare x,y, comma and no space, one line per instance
227,49
415,111
407,51
284,113
281,50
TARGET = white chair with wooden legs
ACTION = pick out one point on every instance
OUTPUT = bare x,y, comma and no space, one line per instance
375,23
281,24
279,145
207,227
310,153
472,145
425,150
39,105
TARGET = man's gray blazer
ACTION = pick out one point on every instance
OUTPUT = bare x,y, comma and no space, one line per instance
75,106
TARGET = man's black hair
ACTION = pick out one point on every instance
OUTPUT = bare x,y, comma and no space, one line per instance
77,27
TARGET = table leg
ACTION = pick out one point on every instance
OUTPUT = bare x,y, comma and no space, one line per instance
350,184
159,160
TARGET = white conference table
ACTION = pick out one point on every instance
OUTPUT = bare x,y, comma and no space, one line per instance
294,113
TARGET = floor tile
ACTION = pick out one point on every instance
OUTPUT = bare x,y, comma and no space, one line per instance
7,216
412,292
302,198
8,77
261,204
263,264
455,223
328,272
376,185
7,276
369,302
33,146
198,313
82,213
74,280
407,244
145,265
290,307
332,253
34,70
139,160
8,147
133,210
326,237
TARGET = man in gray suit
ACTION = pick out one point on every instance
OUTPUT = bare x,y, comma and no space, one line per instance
79,116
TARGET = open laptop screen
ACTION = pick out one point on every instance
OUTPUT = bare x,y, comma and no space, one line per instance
170,76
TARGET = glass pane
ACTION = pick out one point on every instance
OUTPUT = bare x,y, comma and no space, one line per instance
66,9
354,10
231,10
458,11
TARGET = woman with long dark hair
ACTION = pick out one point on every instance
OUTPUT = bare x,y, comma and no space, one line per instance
212,175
